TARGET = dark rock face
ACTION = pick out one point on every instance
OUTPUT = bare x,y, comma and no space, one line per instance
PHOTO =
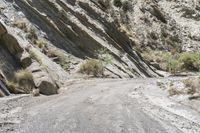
81,28
3,90
8,60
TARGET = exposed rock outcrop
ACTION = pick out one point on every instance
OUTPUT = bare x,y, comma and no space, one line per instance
14,57
42,80
161,24
82,29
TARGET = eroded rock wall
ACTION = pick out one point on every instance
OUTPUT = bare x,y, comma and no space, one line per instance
161,24
15,55
81,28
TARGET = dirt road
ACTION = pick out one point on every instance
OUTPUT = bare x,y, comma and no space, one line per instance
100,106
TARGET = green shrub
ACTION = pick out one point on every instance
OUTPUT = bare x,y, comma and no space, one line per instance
176,62
162,58
104,56
92,66
173,66
190,61
117,3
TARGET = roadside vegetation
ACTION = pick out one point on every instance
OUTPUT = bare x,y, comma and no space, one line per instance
92,67
96,67
22,82
190,87
174,63
104,55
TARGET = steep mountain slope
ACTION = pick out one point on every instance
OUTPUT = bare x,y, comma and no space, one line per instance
53,38
79,29
162,25
56,46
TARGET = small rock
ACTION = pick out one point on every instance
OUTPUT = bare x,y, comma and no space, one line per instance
36,92
25,59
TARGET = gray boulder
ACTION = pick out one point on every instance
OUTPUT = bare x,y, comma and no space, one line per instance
42,80
25,59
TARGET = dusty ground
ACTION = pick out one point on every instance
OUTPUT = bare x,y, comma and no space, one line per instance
101,106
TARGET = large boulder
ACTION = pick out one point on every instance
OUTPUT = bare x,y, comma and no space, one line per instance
12,44
42,80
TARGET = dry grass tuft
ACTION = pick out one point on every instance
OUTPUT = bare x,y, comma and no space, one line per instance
24,79
23,82
186,87
21,25
193,86
92,67
60,58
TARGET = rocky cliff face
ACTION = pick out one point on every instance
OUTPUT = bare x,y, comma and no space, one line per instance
80,28
161,25
83,29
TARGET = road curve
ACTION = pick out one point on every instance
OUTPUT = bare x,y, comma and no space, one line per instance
103,106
